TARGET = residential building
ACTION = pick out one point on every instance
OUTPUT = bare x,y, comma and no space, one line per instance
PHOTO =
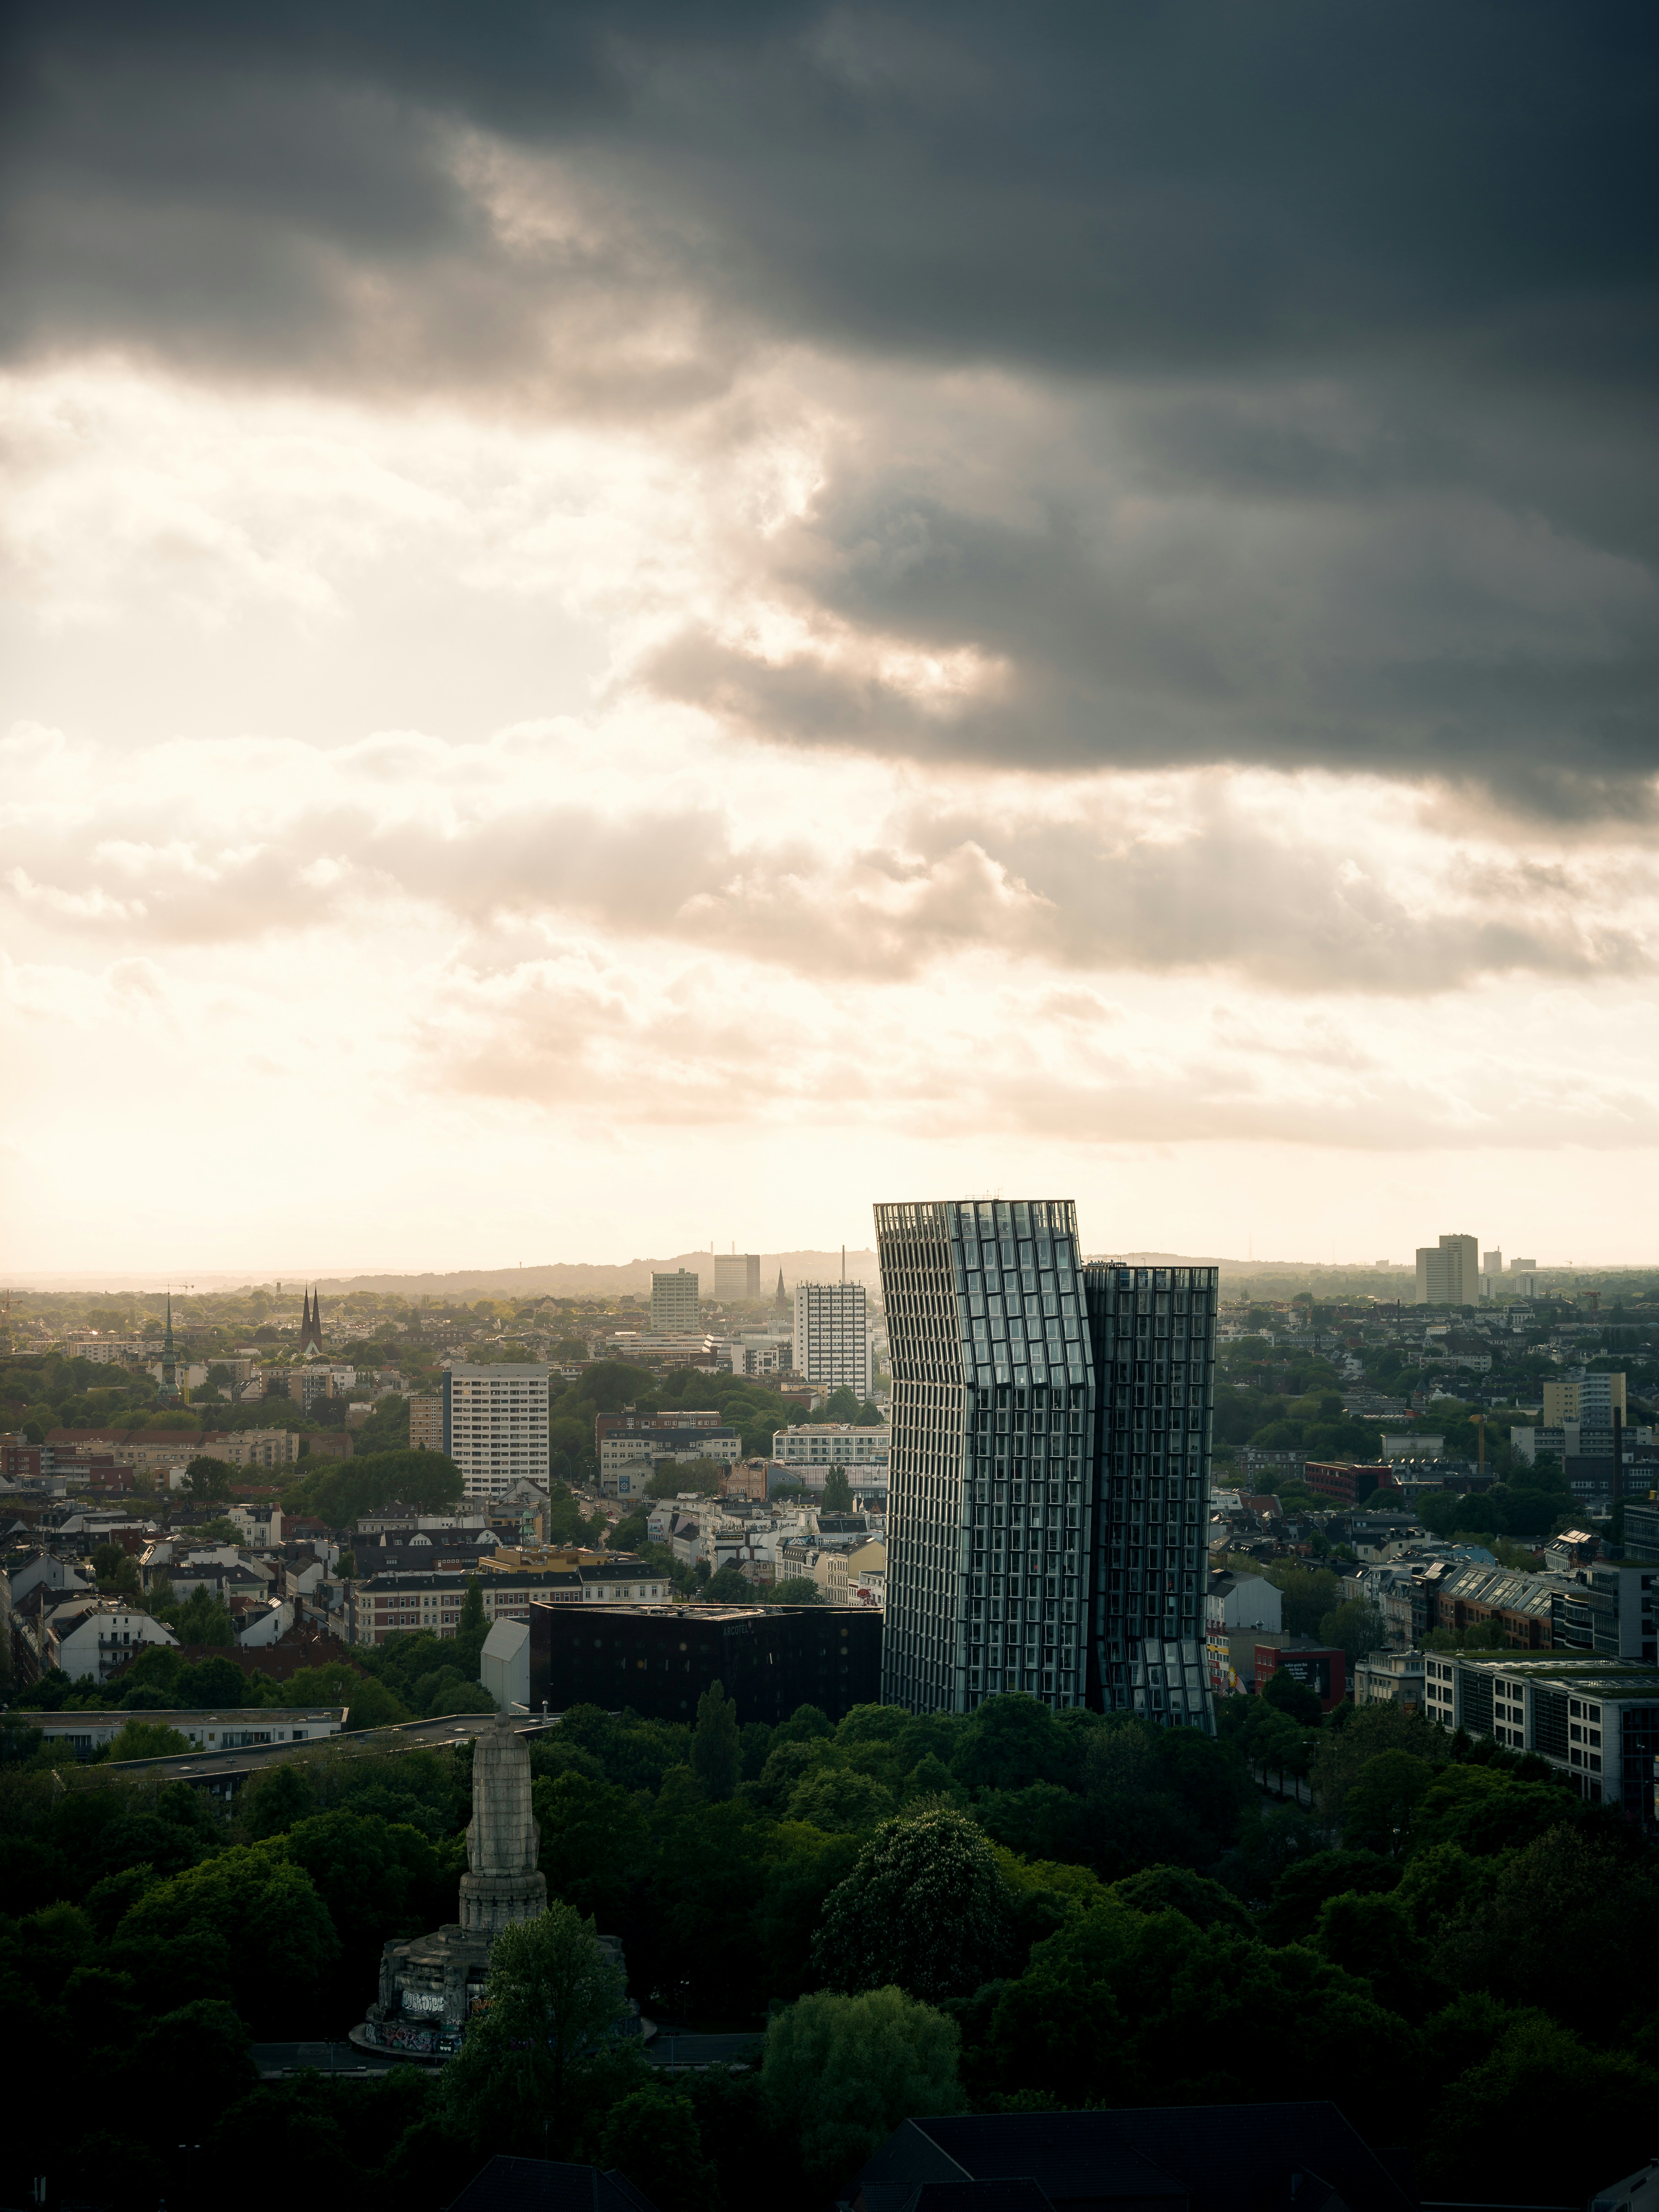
494,1425
832,1336
1448,1273
387,1604
1051,1465
824,1444
105,1351
1521,1605
85,1733
1345,1482
254,1448
1250,1460
1237,1607
1596,1720
1606,1608
744,1478
866,1575
1390,1678
426,1421
736,1277
659,1660
675,1306
629,1458
1581,1395
1641,1529
93,1636
259,1521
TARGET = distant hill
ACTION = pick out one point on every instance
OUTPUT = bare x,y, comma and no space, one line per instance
570,1278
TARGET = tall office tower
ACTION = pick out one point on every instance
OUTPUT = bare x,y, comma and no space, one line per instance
1448,1273
737,1275
1491,1263
832,1336
1047,1506
674,1304
494,1425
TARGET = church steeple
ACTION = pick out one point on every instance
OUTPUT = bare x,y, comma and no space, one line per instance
781,1300
310,1323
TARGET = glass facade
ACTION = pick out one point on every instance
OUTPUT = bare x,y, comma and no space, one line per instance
1051,1465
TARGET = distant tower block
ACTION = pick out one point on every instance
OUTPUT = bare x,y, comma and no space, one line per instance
737,1275
501,1883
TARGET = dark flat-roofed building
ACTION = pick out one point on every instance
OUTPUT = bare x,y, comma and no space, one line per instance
658,1660
1186,2158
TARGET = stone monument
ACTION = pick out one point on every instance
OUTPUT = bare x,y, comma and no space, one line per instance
429,1984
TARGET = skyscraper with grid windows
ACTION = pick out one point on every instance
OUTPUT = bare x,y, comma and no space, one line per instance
1049,1475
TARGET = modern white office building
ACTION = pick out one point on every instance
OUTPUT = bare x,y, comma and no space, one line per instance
832,1336
494,1425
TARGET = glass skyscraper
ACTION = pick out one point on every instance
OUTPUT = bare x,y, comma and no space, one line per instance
1049,1476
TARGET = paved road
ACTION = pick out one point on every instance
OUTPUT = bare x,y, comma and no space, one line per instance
206,1766
677,2051
274,2060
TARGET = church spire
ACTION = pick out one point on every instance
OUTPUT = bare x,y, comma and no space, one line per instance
311,1322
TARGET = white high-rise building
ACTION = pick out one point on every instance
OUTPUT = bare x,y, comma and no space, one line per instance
1449,1274
494,1425
675,1304
832,1336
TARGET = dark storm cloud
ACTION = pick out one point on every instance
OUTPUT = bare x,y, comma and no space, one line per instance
1441,216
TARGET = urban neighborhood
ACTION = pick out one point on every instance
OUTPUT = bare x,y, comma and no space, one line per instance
790,1738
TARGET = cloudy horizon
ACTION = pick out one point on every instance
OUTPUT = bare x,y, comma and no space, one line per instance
624,625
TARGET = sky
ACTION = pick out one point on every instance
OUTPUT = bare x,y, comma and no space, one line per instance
623,627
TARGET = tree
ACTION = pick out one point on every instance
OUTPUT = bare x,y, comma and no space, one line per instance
553,2000
1299,1701
837,1491
839,1800
1487,2134
1011,1740
1356,1627
202,1618
1380,1808
726,1586
275,1799
1308,1594
137,1739
840,2072
595,1842
925,1906
341,1491
653,2136
672,1476
796,1589
206,1477
716,1754
247,1919
370,1704
630,1532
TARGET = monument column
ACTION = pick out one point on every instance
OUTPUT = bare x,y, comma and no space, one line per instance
503,1882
